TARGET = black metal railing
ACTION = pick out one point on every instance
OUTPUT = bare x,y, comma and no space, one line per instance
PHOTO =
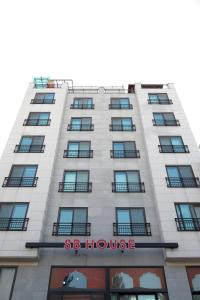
29,148
158,101
71,229
128,187
13,224
173,149
120,106
131,229
166,122
124,153
81,127
37,122
122,127
43,101
176,182
80,187
78,153
82,106
188,224
20,181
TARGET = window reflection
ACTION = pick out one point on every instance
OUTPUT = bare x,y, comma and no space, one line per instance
150,280
122,281
75,280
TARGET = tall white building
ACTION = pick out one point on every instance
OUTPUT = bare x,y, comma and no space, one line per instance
111,174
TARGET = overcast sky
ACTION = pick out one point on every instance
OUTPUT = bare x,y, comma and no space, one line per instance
99,42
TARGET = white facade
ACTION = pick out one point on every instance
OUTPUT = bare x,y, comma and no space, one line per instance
44,200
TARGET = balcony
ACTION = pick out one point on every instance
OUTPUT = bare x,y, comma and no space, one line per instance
188,224
130,229
13,224
78,154
120,106
37,122
124,153
173,149
29,148
65,229
128,187
166,122
122,127
77,187
81,106
20,182
82,127
43,101
47,83
166,101
183,182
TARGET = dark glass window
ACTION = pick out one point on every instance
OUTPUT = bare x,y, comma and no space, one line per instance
78,149
120,103
181,176
31,144
80,124
122,124
37,119
44,98
172,144
127,181
124,150
12,216
165,119
188,216
83,103
160,98
22,175
75,181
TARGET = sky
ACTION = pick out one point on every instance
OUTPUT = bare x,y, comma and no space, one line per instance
107,42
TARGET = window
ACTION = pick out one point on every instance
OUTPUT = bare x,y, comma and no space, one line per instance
75,181
131,221
13,216
72,221
188,216
31,144
124,150
78,149
161,98
165,119
7,278
193,274
127,181
122,124
43,98
37,119
83,103
120,103
81,124
21,176
181,176
172,144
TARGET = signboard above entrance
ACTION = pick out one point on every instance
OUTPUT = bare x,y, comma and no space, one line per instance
100,244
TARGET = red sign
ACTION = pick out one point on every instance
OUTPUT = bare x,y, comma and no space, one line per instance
100,244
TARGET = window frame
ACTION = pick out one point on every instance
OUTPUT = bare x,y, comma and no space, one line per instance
129,209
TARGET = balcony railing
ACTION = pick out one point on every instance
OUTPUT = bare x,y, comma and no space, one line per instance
43,101
122,127
70,187
29,148
185,182
188,224
120,106
173,149
166,122
81,127
126,229
166,101
124,153
81,229
13,224
128,187
78,154
46,83
37,122
20,181
81,106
